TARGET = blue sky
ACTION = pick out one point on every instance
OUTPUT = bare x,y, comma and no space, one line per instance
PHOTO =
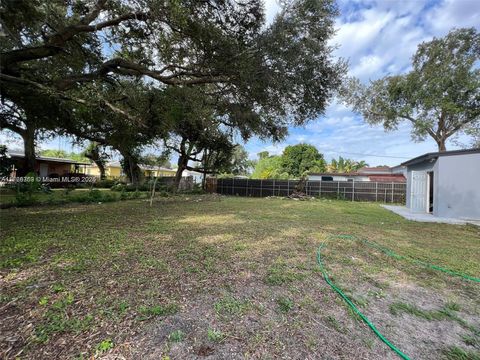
377,38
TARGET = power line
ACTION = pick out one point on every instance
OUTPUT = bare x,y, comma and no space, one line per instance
380,156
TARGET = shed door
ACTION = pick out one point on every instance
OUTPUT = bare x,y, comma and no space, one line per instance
418,191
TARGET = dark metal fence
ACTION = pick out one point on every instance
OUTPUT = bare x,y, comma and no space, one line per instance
388,192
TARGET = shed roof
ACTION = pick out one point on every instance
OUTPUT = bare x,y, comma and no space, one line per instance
436,155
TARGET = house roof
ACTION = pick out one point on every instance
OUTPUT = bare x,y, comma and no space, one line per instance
20,155
338,174
388,178
116,164
436,155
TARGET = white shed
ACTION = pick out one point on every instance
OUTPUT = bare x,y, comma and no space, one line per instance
445,184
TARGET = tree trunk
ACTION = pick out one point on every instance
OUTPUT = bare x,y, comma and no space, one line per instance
101,167
441,144
182,165
28,136
131,168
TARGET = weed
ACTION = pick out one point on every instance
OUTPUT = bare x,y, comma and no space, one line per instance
58,288
279,274
456,353
471,340
240,247
335,324
157,310
176,336
215,335
444,313
285,304
43,300
228,305
153,263
103,346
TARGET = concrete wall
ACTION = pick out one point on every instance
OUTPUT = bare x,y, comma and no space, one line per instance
424,166
458,186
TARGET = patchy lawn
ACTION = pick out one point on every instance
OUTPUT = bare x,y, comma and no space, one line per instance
224,277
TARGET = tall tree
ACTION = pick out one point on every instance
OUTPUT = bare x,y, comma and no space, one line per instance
439,97
297,160
269,167
343,165
272,75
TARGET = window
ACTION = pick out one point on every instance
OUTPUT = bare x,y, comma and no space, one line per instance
327,178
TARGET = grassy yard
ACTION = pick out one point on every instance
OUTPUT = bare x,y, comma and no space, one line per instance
226,278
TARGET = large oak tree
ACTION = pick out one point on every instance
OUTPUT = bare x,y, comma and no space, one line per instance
439,97
272,75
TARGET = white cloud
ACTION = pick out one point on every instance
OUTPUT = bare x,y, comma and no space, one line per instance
453,13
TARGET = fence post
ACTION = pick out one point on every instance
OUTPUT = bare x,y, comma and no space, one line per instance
393,186
376,191
233,186
320,189
261,188
288,187
273,187
385,198
246,190
353,190
338,189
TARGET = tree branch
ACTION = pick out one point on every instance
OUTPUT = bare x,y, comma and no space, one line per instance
55,42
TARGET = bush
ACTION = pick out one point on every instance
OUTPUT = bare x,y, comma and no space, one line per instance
94,195
23,199
106,183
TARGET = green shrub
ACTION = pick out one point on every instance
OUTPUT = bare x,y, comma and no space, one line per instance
23,199
118,187
106,183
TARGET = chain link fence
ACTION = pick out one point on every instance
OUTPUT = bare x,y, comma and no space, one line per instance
387,192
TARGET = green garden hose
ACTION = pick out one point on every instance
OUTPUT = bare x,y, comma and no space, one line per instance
393,255
354,308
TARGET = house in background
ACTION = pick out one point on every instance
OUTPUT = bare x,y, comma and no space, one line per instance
113,170
46,166
375,174
197,176
445,184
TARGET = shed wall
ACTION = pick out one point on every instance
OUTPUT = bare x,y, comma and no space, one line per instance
458,186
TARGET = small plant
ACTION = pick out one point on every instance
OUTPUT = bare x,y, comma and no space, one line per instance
105,345
58,288
279,274
215,335
285,304
158,310
335,324
176,336
452,306
43,300
228,305
471,340
456,353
